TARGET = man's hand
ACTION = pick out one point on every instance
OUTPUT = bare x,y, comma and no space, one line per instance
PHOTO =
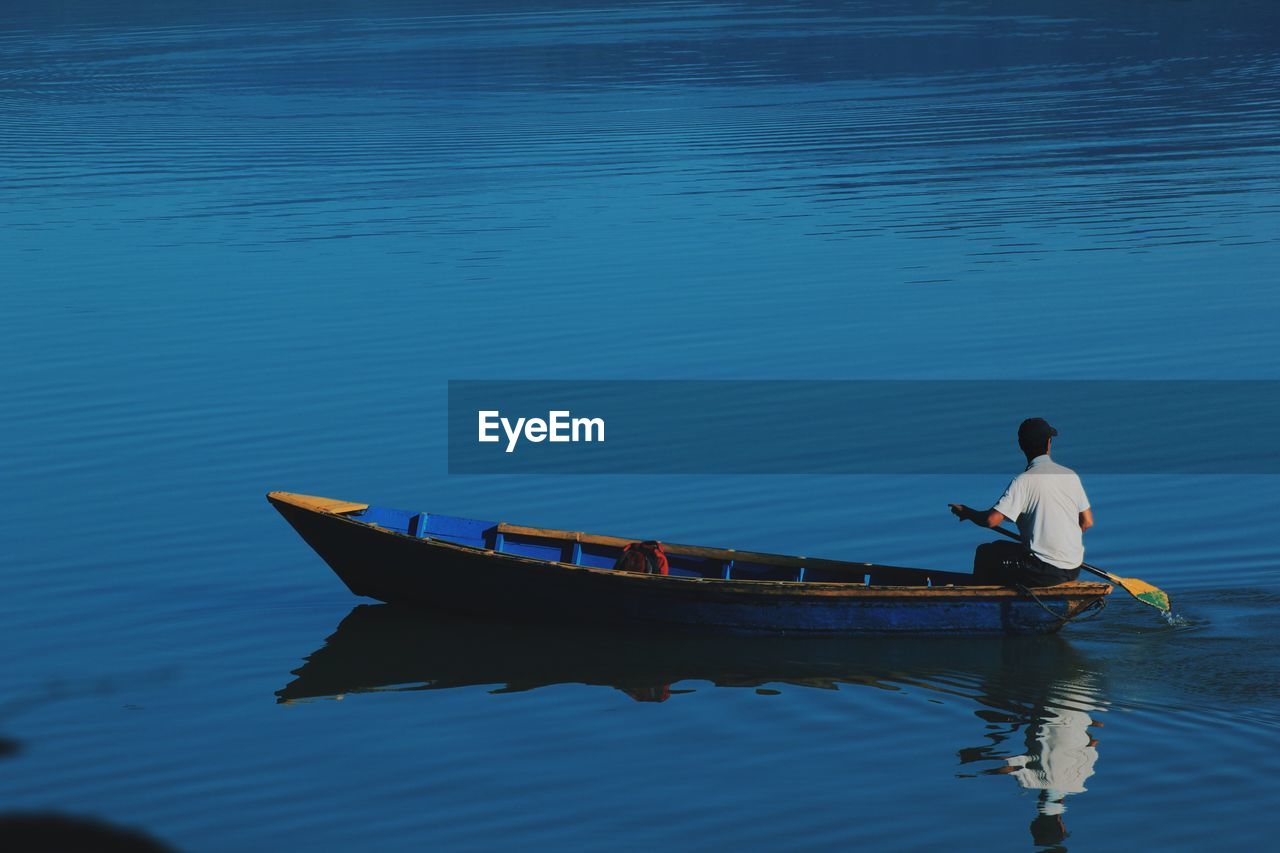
983,518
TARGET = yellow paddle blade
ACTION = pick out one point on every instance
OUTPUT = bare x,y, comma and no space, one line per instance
1145,592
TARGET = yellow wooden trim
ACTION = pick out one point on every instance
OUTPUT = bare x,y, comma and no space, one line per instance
316,503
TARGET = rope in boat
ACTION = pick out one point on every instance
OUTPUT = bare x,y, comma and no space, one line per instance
1096,606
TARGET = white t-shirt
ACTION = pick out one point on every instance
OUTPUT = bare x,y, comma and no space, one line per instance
1046,501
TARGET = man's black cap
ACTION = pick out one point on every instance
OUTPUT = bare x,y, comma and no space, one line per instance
1036,429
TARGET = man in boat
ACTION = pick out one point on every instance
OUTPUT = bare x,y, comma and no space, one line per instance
1048,503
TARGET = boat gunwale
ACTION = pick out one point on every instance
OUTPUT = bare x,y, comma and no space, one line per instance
764,558
1073,590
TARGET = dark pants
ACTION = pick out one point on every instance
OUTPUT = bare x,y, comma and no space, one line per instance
1008,562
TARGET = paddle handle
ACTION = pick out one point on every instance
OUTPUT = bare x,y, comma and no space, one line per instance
1097,571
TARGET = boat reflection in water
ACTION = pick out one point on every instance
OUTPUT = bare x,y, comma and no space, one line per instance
1035,695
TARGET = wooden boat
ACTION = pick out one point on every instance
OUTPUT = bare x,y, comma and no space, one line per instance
507,571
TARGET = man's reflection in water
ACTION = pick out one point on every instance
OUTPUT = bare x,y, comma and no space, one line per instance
1060,755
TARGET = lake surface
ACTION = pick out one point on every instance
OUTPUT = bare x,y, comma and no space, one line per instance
245,248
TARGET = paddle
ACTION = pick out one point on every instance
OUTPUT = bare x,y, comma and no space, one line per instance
1139,589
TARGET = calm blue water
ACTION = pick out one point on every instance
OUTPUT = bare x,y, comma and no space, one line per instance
244,249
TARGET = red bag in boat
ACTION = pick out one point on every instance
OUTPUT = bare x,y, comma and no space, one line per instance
645,558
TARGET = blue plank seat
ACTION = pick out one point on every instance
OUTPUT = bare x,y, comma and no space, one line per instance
567,546
446,528
418,526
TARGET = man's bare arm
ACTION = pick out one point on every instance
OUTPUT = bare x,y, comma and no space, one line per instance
981,517
1086,520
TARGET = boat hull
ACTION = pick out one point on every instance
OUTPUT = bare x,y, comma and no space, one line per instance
402,569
